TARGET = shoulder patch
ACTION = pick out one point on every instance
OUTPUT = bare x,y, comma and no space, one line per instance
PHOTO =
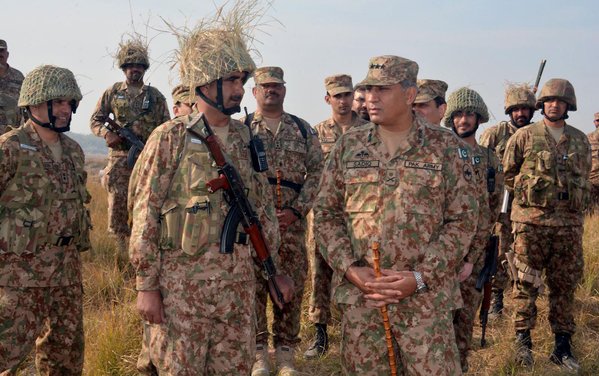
28,147
463,153
424,165
467,171
476,160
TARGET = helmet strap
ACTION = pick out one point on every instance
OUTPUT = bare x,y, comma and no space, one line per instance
564,116
52,123
219,104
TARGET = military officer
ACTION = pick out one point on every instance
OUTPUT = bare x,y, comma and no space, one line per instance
430,101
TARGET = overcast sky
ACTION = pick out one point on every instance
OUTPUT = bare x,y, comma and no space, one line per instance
480,44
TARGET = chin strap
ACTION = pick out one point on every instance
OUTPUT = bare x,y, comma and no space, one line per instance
564,116
52,123
219,104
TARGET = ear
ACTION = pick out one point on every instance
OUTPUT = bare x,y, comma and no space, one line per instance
442,108
327,99
411,94
254,91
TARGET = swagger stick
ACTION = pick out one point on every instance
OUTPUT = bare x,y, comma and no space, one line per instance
279,194
377,272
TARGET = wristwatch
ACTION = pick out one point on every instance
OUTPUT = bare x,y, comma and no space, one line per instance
420,285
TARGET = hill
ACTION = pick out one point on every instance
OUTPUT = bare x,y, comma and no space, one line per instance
91,144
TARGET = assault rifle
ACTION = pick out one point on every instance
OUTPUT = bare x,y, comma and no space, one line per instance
484,281
127,134
539,74
241,210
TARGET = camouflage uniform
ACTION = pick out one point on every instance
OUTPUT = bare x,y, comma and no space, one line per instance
320,298
428,90
594,174
299,160
116,100
43,227
419,205
208,296
10,85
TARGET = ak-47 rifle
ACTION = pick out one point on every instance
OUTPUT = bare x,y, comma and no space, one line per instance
127,134
241,210
484,280
539,74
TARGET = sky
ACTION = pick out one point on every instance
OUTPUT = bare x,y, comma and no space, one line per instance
476,43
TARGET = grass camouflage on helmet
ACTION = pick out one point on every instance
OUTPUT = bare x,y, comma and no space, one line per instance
133,51
518,95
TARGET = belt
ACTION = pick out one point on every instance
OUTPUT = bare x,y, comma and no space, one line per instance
61,241
286,183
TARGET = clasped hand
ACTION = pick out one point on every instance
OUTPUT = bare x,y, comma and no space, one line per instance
390,288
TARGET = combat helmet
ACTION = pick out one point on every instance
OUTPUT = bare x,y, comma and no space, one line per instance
133,51
558,88
45,83
518,96
465,99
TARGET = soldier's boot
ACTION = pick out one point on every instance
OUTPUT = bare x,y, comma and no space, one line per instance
562,353
524,348
285,362
262,364
321,343
497,304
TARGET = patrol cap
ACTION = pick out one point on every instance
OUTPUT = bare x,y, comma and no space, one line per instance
429,90
182,94
390,70
268,75
339,83
3,45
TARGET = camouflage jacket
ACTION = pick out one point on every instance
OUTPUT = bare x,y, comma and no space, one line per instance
549,180
10,86
43,220
117,101
421,204
329,132
176,221
299,159
594,141
484,159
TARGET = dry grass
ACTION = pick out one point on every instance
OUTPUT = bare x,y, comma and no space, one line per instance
113,329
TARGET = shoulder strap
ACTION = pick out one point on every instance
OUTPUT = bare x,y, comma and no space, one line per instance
249,119
300,125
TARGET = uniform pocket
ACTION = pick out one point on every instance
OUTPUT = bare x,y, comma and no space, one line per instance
21,230
534,191
545,161
361,190
196,225
579,190
171,217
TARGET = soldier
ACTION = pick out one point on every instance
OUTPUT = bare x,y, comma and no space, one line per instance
133,105
466,110
340,94
43,226
295,161
183,100
546,167
359,104
10,85
594,175
408,185
520,107
430,101
199,300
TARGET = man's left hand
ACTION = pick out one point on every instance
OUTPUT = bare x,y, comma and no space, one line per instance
286,218
391,287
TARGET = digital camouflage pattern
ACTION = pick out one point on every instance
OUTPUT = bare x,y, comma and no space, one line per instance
551,191
594,173
181,94
339,83
174,249
490,205
421,204
43,227
125,107
10,86
428,90
320,298
268,75
390,70
557,88
299,161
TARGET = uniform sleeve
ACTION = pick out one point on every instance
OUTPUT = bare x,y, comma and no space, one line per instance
445,254
487,139
314,164
8,161
102,110
330,229
512,159
154,171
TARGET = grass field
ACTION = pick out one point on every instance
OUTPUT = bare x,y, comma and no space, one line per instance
113,329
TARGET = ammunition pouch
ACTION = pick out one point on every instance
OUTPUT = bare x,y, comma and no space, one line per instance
527,274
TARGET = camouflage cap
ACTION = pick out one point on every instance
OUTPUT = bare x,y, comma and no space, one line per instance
390,70
429,90
339,83
182,94
3,45
268,75
596,115
465,99
48,82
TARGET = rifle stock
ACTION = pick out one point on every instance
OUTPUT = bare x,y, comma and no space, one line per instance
127,134
484,281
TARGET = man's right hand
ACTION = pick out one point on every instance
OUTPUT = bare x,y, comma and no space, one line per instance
112,139
359,275
150,307
287,288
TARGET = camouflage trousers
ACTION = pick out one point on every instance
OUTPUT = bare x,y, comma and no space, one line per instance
293,263
49,318
116,181
209,329
320,298
594,206
503,229
425,343
558,251
463,319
